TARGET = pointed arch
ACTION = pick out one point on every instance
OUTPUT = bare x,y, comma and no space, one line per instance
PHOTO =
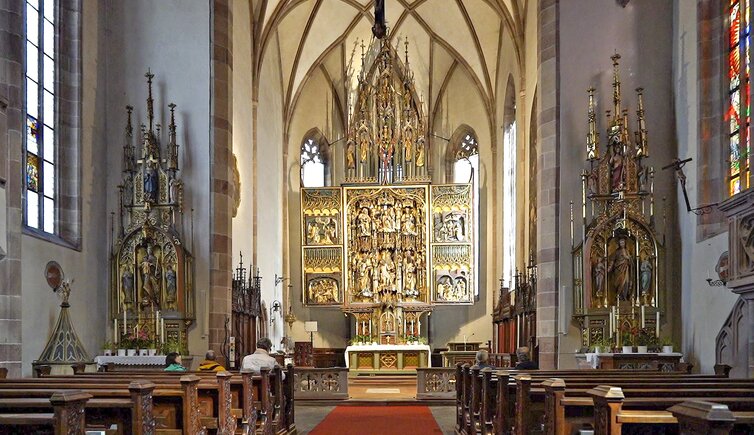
315,159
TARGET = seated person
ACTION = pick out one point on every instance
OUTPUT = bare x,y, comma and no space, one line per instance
482,360
173,363
209,364
260,358
524,363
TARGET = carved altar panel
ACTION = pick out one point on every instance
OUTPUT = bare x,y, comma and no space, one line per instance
452,244
386,244
322,248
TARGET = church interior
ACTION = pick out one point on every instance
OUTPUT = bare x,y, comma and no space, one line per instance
471,216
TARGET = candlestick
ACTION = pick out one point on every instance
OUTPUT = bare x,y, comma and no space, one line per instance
642,317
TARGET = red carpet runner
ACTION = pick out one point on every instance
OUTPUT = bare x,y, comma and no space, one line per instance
378,420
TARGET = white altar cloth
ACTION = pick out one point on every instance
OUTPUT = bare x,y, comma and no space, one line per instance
593,359
157,360
389,347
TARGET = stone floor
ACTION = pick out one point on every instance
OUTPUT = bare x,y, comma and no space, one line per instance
308,417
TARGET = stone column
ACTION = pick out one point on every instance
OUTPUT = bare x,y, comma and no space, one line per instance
221,201
548,185
12,112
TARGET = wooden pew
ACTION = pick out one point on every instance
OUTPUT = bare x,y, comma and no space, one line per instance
66,419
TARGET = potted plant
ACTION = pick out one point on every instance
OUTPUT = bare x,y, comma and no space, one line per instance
130,344
422,340
108,347
643,339
602,345
667,345
628,337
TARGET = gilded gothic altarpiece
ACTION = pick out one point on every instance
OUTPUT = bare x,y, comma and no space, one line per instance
387,245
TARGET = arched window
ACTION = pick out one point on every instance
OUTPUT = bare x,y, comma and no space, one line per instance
313,163
40,145
465,165
509,199
739,118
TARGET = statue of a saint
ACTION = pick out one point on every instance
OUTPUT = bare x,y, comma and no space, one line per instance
365,223
313,233
408,142
420,149
350,155
409,275
645,275
365,281
127,285
170,283
598,272
151,184
443,288
616,167
363,142
620,268
387,267
460,291
409,224
173,190
150,282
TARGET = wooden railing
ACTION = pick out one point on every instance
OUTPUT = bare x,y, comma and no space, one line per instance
327,384
436,383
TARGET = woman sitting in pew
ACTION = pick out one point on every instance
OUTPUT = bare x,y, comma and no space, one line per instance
173,363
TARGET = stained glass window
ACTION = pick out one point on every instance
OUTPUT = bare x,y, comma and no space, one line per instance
739,104
40,177
312,164
466,164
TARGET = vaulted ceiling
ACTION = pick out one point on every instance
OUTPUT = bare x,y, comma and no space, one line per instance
443,35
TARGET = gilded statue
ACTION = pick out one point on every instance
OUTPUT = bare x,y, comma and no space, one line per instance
150,281
408,223
386,271
408,143
460,290
350,154
620,268
420,147
365,279
444,288
365,223
409,277
323,291
312,233
363,142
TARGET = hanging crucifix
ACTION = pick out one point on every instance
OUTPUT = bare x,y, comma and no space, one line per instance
379,29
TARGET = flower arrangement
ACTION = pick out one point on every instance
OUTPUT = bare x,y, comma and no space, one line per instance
138,340
605,344
361,339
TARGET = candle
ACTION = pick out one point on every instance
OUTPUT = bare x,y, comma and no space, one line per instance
657,325
642,317
125,321
418,327
115,330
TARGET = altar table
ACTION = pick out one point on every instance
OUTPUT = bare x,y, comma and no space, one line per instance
667,362
386,358
146,363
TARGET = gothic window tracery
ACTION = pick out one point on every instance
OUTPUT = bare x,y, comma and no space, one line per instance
40,148
313,163
466,170
739,105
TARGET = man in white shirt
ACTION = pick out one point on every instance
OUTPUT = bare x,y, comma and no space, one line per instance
260,358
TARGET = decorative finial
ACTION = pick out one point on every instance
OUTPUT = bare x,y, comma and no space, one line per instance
592,137
150,101
642,147
128,148
65,292
616,86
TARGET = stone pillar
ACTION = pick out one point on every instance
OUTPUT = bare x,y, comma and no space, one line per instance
739,210
221,201
548,182
12,112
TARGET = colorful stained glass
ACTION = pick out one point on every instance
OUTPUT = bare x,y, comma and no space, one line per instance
32,134
32,172
739,37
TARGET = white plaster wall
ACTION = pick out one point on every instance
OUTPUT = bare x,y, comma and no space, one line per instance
270,143
590,32
243,131
87,268
171,37
705,308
